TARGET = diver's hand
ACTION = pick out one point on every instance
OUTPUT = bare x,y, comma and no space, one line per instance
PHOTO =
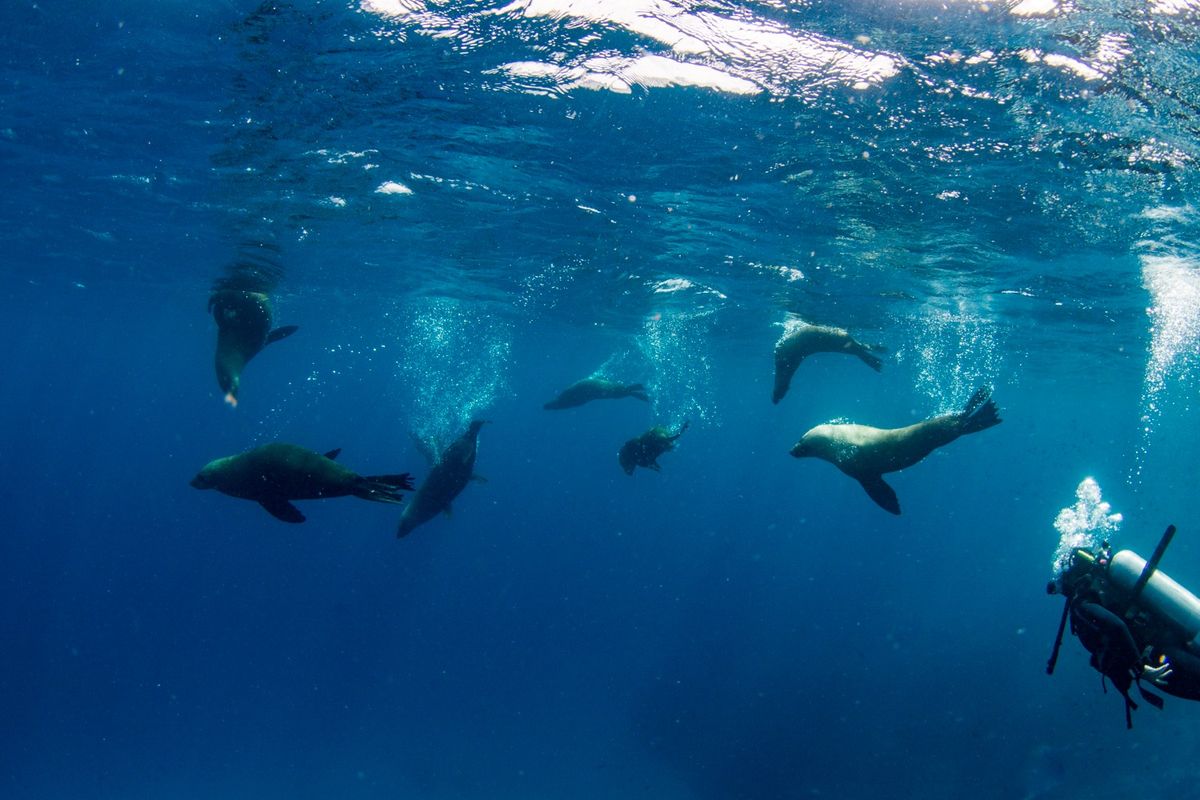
1158,675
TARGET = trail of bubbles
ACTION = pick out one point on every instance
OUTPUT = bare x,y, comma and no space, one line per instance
455,364
956,353
1173,283
1085,524
675,345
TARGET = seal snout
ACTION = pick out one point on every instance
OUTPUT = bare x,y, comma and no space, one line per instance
200,482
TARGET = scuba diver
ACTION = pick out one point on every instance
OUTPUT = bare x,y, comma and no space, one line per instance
1137,623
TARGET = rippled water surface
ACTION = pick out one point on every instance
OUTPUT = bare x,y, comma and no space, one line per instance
466,207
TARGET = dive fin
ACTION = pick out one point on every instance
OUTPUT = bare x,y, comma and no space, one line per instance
281,333
881,493
333,454
282,510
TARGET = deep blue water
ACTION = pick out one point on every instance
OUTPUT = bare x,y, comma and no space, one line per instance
468,206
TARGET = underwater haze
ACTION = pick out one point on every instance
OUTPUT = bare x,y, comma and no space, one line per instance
468,206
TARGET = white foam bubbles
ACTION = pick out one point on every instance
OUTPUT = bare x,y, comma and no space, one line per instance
1086,524
454,365
675,344
956,353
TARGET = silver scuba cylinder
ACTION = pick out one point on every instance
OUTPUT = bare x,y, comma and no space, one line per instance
1161,594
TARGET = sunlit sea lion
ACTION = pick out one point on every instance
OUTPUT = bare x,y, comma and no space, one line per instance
802,341
590,389
448,477
866,453
243,329
644,450
275,474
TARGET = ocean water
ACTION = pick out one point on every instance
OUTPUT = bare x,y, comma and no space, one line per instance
467,206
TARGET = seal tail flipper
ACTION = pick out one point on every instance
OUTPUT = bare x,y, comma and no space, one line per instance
401,481
282,510
881,493
872,361
383,488
637,390
281,333
980,412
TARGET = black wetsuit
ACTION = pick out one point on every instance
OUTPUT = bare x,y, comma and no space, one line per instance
1115,655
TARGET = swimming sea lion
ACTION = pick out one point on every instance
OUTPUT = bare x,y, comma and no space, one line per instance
589,389
644,450
865,453
277,473
449,476
801,341
243,328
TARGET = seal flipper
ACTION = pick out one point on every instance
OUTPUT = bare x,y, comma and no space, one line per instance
638,391
281,333
881,493
333,454
871,361
427,450
400,482
980,412
281,509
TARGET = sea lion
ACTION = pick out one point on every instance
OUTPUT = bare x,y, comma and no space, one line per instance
801,341
589,389
448,476
644,450
277,473
243,329
865,453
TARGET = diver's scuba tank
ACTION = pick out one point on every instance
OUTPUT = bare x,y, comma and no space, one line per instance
1158,593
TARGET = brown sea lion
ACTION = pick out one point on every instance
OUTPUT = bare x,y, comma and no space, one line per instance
801,341
447,478
243,329
865,453
275,474
590,389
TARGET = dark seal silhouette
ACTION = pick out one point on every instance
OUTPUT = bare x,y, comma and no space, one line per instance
275,474
644,450
590,389
243,329
804,340
865,453
454,468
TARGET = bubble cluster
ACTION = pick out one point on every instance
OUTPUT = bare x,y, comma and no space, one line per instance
681,386
956,353
1086,524
454,364
1173,283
